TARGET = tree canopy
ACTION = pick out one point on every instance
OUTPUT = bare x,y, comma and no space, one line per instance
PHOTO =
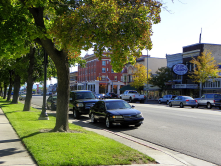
63,28
163,75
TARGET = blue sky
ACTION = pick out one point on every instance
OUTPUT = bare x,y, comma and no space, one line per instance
182,26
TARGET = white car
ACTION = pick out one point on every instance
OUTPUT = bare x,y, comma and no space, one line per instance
22,97
166,99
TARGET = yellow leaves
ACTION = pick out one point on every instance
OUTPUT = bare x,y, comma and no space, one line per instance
205,67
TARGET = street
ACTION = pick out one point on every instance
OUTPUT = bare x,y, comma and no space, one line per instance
195,132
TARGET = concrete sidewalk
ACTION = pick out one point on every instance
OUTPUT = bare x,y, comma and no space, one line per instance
12,151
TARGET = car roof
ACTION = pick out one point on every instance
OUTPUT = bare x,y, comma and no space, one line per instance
106,100
81,91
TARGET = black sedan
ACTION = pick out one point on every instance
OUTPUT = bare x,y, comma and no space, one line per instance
52,102
113,111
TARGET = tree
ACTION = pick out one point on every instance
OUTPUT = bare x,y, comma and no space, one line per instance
205,68
64,28
162,76
140,76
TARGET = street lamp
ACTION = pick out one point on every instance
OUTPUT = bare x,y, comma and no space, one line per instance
44,115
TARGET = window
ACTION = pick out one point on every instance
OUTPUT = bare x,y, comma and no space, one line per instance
112,71
115,78
103,63
103,70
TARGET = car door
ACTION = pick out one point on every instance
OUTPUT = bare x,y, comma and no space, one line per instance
175,101
99,110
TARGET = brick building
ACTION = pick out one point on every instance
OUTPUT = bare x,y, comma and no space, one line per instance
98,75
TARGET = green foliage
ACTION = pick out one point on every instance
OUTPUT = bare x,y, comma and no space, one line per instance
206,67
162,76
122,28
78,147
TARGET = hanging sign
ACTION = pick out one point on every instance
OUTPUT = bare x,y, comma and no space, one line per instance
180,69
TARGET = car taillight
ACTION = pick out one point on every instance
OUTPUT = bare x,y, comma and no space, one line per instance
214,101
134,95
111,95
187,100
196,100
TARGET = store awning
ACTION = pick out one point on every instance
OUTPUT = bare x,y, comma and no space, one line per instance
127,87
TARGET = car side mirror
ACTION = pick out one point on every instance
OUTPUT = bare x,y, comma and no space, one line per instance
132,106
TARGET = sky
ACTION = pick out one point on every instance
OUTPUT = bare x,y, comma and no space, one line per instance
181,25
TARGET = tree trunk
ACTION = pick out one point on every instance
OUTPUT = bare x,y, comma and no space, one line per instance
63,91
16,89
60,59
5,90
30,80
10,87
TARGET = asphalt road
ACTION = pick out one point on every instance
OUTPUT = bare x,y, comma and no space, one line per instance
194,132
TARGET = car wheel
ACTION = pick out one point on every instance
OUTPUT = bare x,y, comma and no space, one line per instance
108,123
192,106
170,104
181,105
209,106
137,125
76,114
220,108
141,101
159,101
167,102
93,120
197,106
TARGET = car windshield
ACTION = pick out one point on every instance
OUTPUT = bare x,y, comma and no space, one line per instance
113,105
85,95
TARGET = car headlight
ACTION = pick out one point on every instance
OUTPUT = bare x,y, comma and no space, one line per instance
139,115
80,105
117,116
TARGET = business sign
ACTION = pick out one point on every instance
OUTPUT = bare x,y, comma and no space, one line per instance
180,69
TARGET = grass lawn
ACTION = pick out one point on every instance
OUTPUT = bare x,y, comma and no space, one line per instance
79,147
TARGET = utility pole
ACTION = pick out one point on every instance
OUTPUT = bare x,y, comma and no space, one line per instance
147,78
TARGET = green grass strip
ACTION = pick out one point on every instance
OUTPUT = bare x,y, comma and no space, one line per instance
67,148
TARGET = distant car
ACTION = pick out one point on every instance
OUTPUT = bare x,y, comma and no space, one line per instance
183,101
100,96
166,99
111,95
21,97
52,102
113,111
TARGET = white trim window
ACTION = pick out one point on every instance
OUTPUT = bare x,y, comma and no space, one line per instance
103,63
103,70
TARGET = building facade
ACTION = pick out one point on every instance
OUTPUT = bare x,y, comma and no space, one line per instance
182,84
98,75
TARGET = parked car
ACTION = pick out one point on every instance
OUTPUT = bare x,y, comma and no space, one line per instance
21,97
81,101
52,102
113,111
111,95
183,101
100,96
208,100
166,99
132,96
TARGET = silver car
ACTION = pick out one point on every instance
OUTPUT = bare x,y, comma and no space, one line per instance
183,101
22,97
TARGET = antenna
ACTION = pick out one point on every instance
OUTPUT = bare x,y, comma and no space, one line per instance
200,36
